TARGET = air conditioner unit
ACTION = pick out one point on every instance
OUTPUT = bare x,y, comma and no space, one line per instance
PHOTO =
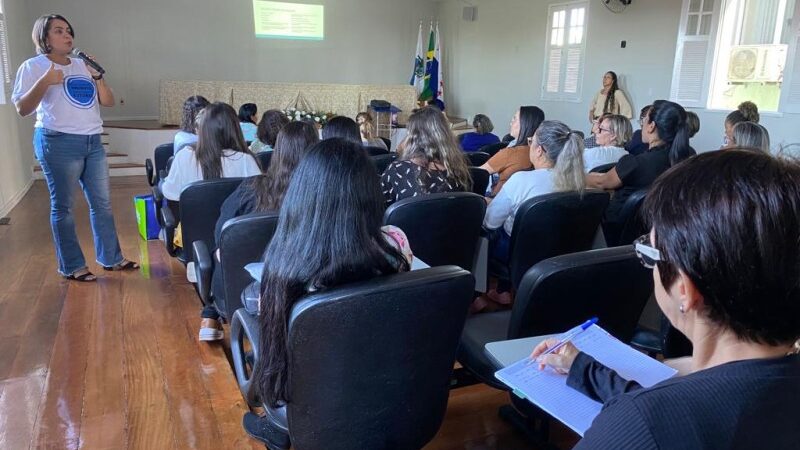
757,63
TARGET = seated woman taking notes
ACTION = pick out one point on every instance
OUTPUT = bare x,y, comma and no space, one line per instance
725,252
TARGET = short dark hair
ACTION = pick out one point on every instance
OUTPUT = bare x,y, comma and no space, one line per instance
730,221
247,111
482,124
530,117
342,127
40,29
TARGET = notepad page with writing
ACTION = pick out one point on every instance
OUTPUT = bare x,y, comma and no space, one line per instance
549,390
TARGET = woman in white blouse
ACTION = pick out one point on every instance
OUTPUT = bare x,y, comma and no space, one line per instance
221,152
613,132
610,99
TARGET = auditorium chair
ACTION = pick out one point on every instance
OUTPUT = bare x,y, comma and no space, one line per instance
442,229
160,155
550,225
477,159
264,159
375,151
387,141
480,180
491,149
631,224
198,207
559,293
369,363
381,162
242,241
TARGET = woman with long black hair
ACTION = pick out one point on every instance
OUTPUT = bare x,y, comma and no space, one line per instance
325,238
609,100
66,95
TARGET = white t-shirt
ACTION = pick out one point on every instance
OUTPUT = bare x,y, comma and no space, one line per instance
186,170
183,139
70,107
597,156
520,187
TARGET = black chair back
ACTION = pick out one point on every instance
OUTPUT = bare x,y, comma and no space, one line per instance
199,206
370,363
242,241
375,151
480,180
161,154
551,225
264,159
562,292
442,229
491,149
634,224
388,142
381,162
477,159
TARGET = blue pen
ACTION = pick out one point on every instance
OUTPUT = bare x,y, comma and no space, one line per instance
568,336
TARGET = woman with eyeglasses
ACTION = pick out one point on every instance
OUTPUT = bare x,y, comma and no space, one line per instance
726,268
613,132
666,131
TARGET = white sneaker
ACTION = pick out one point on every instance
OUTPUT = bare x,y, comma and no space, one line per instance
190,274
210,330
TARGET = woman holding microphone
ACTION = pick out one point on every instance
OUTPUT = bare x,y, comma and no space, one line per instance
65,93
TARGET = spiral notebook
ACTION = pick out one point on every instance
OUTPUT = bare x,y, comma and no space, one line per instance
549,391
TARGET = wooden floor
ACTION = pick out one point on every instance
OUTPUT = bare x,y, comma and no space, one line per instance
117,364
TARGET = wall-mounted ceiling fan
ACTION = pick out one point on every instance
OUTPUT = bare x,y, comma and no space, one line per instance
616,6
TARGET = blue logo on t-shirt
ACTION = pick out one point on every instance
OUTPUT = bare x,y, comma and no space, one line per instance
80,91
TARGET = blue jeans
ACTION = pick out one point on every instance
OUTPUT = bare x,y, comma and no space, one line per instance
67,159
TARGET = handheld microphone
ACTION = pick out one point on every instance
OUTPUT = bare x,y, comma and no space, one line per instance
80,54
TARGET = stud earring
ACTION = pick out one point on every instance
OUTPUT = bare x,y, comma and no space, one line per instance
681,309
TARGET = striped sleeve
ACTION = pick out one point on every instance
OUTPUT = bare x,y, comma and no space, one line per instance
619,426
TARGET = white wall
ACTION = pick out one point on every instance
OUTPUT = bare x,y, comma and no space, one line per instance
140,42
495,64
16,152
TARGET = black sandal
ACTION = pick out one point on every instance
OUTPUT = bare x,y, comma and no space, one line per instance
87,277
124,265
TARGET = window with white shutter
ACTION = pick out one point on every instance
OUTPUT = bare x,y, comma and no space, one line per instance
730,51
5,65
565,51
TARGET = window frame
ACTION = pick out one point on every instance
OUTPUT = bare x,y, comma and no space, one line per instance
5,59
711,67
561,95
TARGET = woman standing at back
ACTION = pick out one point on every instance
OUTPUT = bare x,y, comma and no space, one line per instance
609,100
431,161
221,153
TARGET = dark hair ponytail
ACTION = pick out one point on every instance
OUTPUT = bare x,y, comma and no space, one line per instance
673,129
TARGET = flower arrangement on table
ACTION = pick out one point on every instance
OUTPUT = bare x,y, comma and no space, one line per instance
320,118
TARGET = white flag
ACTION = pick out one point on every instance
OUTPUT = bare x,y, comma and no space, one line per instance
438,57
418,75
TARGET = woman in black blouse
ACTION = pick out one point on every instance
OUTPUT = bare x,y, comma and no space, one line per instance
431,161
725,252
665,130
